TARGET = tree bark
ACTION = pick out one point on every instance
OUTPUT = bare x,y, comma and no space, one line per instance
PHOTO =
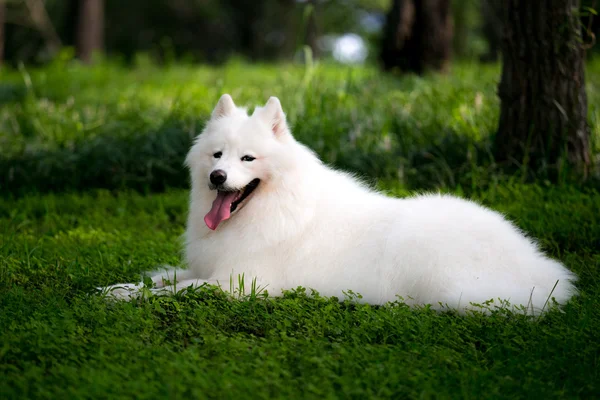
543,118
417,36
90,29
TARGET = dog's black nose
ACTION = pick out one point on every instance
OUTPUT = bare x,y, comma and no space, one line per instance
218,177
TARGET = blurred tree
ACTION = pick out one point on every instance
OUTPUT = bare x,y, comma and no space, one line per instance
312,30
29,31
205,30
417,36
543,121
491,12
90,28
467,39
460,10
2,13
41,21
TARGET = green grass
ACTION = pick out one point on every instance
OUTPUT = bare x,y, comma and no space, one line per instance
108,144
59,340
71,127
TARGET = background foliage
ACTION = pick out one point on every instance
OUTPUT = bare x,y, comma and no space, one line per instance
72,127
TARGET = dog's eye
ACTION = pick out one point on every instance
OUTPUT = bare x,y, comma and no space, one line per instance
248,158
218,154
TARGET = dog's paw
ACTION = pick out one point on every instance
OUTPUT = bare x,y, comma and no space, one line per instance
124,291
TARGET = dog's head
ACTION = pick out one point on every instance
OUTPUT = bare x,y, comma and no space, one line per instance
236,154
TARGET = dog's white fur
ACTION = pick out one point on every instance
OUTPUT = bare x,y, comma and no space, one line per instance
309,225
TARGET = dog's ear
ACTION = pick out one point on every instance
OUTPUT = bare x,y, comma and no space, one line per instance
224,107
273,114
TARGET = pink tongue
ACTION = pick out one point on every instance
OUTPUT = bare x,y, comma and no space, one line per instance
221,209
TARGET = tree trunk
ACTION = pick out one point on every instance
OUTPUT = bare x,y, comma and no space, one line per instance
417,36
90,29
543,117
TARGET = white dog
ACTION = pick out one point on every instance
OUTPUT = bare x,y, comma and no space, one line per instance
264,206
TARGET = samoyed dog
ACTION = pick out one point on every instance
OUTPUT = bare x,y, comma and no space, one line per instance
263,206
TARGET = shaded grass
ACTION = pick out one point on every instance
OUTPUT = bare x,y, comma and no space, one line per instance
71,127
61,341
